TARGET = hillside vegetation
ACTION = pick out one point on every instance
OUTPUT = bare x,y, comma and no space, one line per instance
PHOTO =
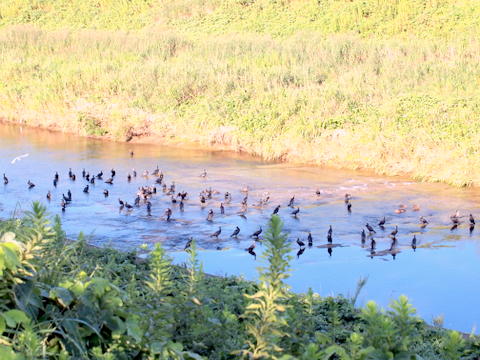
384,85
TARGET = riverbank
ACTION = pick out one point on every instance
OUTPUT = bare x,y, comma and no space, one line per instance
379,85
67,299
391,106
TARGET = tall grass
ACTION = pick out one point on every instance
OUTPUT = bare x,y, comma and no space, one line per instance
423,18
391,105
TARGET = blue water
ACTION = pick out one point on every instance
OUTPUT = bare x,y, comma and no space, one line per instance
441,277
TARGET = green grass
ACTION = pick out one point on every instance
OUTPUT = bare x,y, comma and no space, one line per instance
66,300
389,86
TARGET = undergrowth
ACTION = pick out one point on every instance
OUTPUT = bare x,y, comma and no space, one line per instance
63,299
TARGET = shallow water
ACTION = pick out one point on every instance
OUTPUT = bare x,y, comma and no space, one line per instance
441,277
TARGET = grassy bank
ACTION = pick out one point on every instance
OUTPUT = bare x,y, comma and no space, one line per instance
385,85
62,299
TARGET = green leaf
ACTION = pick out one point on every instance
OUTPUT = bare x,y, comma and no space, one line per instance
2,325
133,329
15,317
6,353
62,295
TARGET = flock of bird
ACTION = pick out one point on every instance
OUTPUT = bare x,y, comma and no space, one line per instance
179,199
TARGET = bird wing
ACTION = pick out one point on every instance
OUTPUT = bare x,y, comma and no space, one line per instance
20,157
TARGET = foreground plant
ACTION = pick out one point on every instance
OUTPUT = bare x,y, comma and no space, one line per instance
105,304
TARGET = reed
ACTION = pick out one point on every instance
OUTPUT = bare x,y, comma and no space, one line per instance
383,99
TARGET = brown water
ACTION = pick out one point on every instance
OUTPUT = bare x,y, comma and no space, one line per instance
441,277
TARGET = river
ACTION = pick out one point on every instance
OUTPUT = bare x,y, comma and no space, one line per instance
441,276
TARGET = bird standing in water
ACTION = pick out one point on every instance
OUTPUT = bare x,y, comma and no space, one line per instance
257,233
300,242
30,184
217,233
295,212
423,222
168,214
275,211
291,202
5,179
310,239
235,232
414,242
370,228
210,215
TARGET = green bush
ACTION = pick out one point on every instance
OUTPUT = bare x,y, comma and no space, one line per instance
62,299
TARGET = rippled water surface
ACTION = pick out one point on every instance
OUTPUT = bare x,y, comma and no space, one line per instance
441,277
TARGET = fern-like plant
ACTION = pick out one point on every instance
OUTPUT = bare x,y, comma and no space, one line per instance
265,313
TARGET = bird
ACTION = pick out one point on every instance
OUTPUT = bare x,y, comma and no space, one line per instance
105,193
85,189
300,242
129,178
318,193
188,244
100,175
423,222
18,158
109,181
310,239
300,252
121,202
210,215
235,232
5,179
49,195
382,222
349,207
137,201
295,212
395,231
363,236
222,209
257,233
348,197
181,205
370,228
149,208
414,242
30,184
290,203
275,211
168,213
393,244
112,173
373,244
92,180
251,247
455,220
83,173
217,233
131,153
471,219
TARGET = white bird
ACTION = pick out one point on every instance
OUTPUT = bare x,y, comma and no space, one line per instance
18,158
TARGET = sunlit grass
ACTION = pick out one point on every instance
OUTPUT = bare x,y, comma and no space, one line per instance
386,85
394,106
